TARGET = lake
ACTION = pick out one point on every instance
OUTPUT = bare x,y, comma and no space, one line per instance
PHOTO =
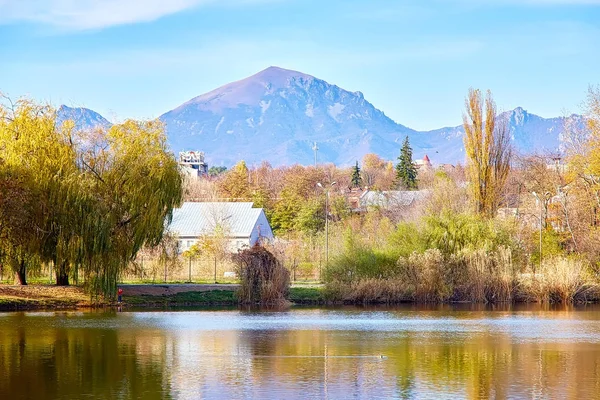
437,352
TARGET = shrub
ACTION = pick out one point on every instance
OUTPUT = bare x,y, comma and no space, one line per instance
358,261
407,239
552,245
263,280
453,233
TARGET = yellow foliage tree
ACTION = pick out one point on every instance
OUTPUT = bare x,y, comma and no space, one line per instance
235,183
93,198
584,147
487,144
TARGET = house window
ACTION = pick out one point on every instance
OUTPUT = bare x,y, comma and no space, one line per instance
190,243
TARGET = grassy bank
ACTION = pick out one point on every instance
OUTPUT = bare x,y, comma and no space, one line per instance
36,297
297,295
211,297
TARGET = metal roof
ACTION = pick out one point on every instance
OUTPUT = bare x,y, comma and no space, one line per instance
392,198
196,219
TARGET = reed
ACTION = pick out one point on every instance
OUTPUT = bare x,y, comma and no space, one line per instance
490,276
560,280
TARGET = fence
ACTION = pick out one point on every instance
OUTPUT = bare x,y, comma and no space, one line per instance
183,269
202,270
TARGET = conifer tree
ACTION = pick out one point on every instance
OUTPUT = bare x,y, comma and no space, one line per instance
406,172
356,179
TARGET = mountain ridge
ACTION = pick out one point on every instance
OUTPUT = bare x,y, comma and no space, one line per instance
276,115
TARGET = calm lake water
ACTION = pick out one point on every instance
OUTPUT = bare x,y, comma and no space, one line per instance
341,353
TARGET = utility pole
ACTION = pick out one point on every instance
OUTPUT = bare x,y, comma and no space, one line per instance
326,223
315,149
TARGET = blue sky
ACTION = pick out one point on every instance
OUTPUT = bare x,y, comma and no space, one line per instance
414,60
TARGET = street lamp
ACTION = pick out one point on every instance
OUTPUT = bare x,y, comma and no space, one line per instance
542,203
326,223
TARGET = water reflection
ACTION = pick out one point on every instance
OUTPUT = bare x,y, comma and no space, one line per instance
408,352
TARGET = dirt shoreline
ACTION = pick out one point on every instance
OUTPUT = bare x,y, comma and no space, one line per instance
30,297
36,297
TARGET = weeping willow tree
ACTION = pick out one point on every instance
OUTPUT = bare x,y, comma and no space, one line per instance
94,198
44,159
137,184
487,144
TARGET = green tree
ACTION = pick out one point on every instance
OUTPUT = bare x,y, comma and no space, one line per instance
216,171
286,210
406,172
356,178
311,217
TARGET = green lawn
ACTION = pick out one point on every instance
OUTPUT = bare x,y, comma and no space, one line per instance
313,294
211,297
220,297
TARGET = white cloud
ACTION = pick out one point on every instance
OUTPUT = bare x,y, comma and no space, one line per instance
98,14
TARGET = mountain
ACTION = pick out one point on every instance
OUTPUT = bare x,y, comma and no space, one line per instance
277,115
84,118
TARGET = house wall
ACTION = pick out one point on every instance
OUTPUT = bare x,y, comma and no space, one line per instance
261,229
232,244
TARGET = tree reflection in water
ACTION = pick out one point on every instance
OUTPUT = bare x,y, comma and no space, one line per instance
443,351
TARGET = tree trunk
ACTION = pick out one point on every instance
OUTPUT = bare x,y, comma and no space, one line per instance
62,274
21,273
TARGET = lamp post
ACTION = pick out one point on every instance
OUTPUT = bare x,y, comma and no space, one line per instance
542,203
326,223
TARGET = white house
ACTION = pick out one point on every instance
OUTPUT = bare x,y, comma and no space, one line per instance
241,224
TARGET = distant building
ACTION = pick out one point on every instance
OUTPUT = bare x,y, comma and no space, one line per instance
353,197
192,163
391,199
447,168
424,163
557,163
241,225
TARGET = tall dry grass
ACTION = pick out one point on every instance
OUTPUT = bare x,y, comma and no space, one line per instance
477,276
491,277
369,291
560,280
426,275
